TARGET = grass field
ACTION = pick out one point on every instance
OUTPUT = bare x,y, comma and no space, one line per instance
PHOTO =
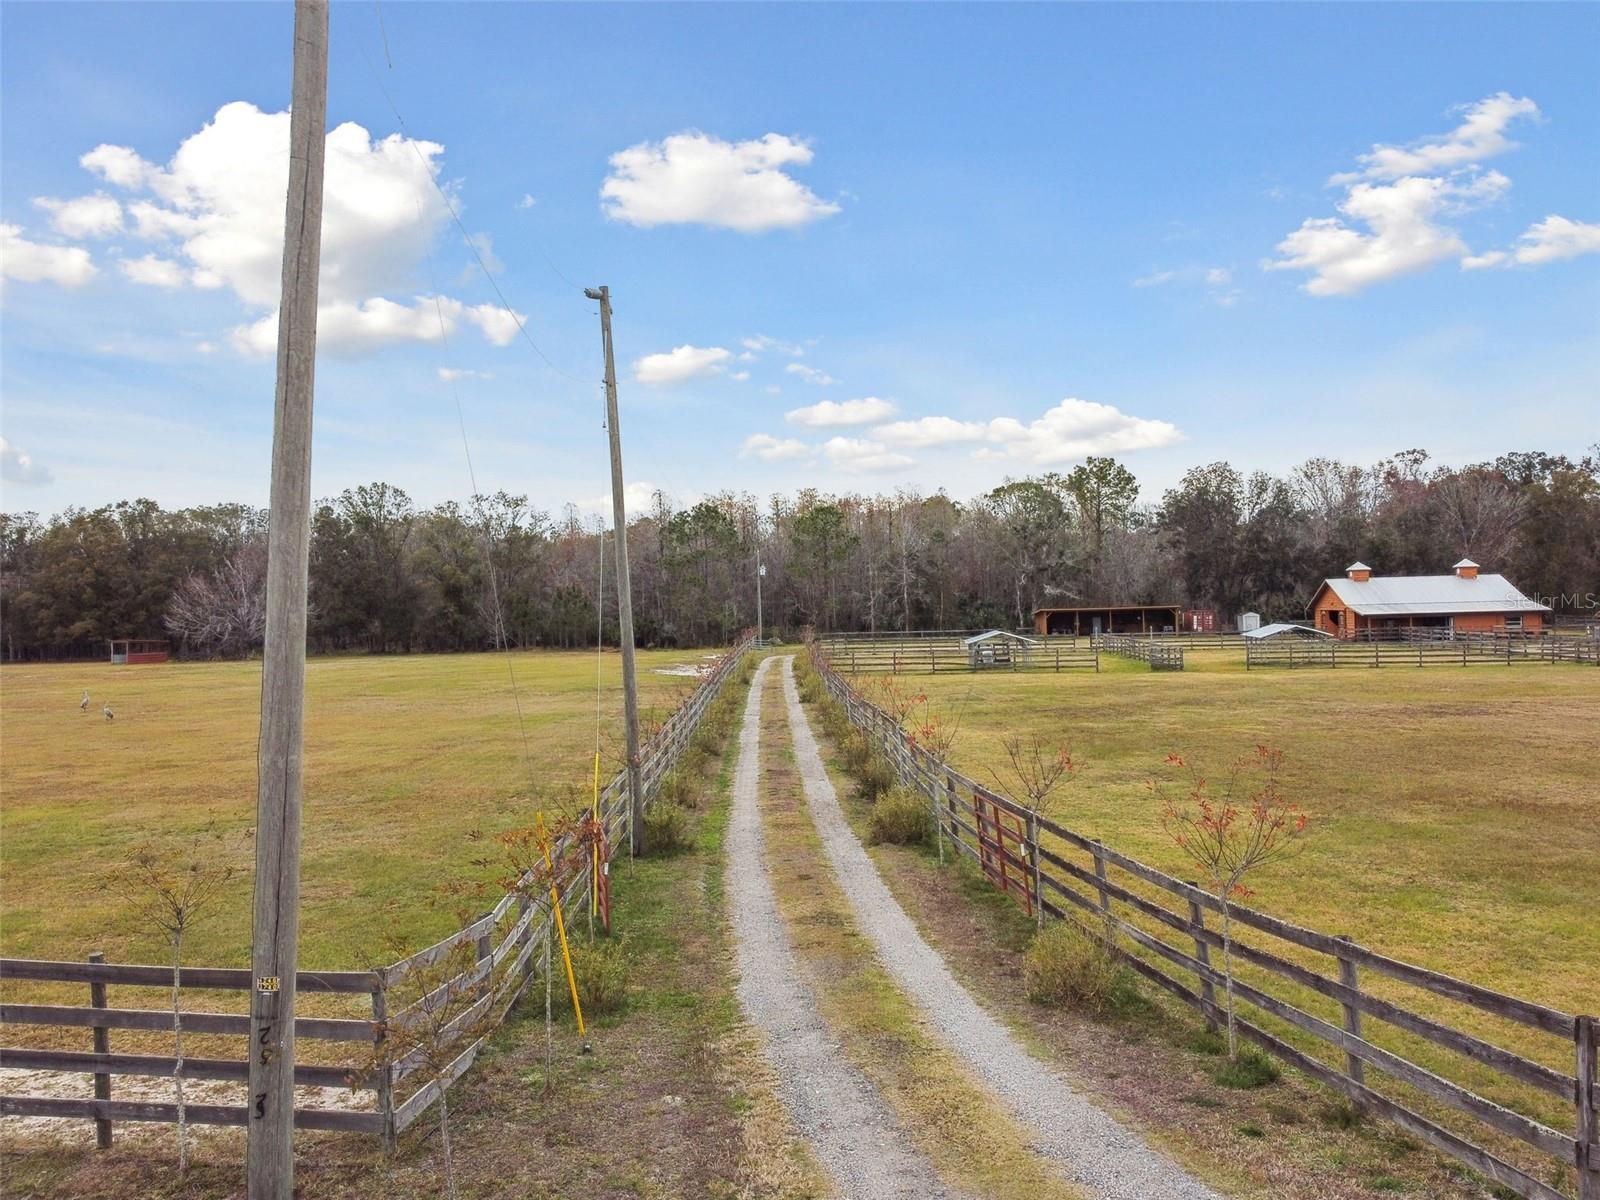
405,756
1455,812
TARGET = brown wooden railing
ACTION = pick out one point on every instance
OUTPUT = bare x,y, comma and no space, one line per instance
1158,924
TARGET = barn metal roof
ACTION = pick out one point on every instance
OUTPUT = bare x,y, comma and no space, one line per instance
1279,627
1432,595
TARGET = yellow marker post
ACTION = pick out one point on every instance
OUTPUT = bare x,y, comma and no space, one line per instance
561,927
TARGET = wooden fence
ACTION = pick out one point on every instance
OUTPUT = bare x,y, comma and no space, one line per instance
942,655
1463,651
1161,655
503,943
1160,926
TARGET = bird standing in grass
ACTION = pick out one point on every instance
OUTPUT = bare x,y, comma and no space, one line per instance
83,705
110,716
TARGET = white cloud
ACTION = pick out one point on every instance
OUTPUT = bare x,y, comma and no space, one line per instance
35,262
680,363
451,374
846,412
116,164
1217,280
755,345
98,215
860,454
638,500
1403,232
1480,135
1076,428
741,376
932,431
206,347
811,374
1549,240
483,243
356,328
18,466
693,178
217,209
765,446
527,201
1155,279
1395,208
1071,430
153,270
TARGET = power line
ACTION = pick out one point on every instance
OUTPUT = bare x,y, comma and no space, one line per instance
466,237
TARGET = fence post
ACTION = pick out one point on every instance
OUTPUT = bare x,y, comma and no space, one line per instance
1033,851
102,1045
950,805
483,952
1202,951
1353,1066
1587,1030
380,1035
1100,874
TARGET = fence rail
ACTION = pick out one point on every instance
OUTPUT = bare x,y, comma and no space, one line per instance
1161,655
503,940
931,655
1461,651
1158,925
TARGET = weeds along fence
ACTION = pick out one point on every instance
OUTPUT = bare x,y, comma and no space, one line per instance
465,984
937,655
1161,655
1486,1079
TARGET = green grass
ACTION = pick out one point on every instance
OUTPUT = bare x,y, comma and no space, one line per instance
1454,824
405,758
1455,820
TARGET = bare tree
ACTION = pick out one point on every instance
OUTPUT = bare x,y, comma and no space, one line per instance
1229,831
171,887
224,612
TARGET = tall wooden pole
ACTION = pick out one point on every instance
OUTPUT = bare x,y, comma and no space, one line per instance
619,519
278,757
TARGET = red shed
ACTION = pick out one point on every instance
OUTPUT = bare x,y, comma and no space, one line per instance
138,650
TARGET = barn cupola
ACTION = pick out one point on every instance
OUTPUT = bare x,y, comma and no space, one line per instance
1358,572
1466,569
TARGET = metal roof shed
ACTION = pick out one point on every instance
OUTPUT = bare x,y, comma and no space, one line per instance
1283,629
997,648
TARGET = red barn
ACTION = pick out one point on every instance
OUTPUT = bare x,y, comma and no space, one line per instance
1462,602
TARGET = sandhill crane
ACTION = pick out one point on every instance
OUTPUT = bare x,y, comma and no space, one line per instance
83,705
110,716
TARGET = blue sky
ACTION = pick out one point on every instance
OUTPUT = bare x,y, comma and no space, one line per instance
930,246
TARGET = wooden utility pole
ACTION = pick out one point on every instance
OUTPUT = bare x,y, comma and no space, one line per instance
278,757
619,519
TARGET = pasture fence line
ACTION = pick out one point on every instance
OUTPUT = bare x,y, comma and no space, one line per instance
896,655
1159,926
1162,656
1462,651
503,944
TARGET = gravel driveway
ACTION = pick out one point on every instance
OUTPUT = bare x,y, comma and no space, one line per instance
851,1129
1092,1148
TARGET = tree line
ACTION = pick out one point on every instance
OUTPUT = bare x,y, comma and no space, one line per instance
388,576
